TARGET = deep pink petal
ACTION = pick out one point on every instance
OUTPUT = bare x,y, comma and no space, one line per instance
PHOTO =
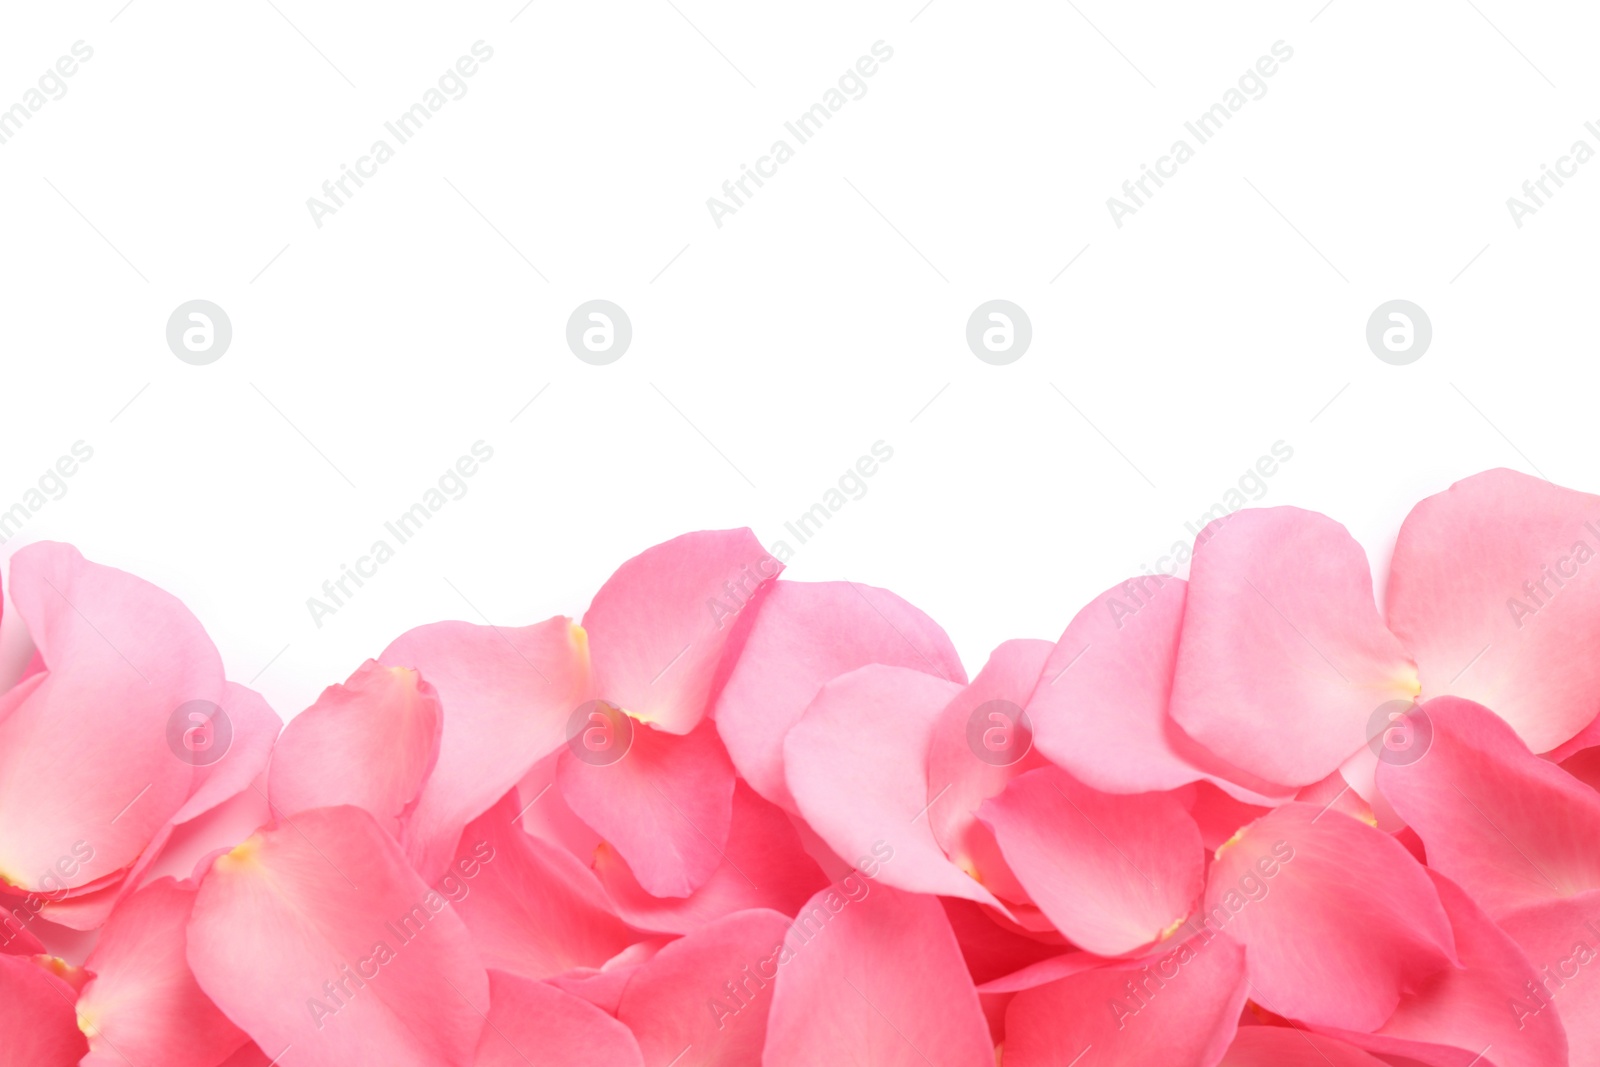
702,1001
507,694
1283,1046
370,742
532,909
1561,939
1510,828
1113,873
874,976
1456,1015
1490,589
1283,659
658,627
807,634
858,769
38,1026
85,765
763,866
316,935
1177,1010
665,806
1337,919
534,1023
143,1005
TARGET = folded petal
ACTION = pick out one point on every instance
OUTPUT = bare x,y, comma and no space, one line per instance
1112,873
253,728
352,958
38,1026
144,1005
666,805
874,976
1179,1010
857,766
982,740
531,1022
1283,660
805,635
1285,1046
532,909
659,625
370,742
1490,589
1455,1015
763,865
702,1001
507,694
1337,919
87,776
1510,828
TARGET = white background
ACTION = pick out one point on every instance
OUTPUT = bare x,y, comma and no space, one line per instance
829,313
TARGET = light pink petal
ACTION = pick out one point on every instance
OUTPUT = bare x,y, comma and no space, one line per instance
255,728
1112,873
702,1001
1100,709
665,806
1177,1010
38,1026
532,909
1561,939
1283,659
857,766
659,625
1456,1015
1510,828
507,694
1337,919
805,635
1283,1046
319,937
534,1023
143,1005
763,866
874,976
370,742
982,740
85,763
1490,589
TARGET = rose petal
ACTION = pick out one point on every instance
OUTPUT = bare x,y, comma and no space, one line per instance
659,625
1490,590
370,742
1283,658
806,634
875,976
351,957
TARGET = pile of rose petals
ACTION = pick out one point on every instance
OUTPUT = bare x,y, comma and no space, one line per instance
1246,818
